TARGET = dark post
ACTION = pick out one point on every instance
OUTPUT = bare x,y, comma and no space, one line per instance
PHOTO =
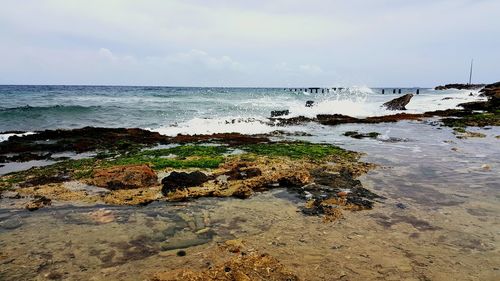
383,91
399,91
418,91
394,91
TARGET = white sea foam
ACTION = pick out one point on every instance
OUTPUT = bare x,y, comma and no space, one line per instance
357,102
4,137
218,125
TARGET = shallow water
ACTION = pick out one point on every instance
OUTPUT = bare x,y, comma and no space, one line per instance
440,221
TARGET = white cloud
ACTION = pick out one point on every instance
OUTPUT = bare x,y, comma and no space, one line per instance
236,42
311,69
198,57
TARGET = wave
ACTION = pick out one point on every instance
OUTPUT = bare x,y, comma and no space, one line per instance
6,136
28,108
243,125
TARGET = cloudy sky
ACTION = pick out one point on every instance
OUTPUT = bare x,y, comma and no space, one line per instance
248,43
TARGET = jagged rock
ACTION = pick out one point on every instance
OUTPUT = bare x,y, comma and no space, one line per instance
398,103
125,177
178,180
276,113
309,103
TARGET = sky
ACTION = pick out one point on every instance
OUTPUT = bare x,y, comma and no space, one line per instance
268,43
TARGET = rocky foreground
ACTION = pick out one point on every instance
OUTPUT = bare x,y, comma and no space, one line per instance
137,167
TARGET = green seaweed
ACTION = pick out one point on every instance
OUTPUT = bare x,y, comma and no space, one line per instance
184,156
474,120
298,150
179,157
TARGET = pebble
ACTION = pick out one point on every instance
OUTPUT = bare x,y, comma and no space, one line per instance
401,206
486,167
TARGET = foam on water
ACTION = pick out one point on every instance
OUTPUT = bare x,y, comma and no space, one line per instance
4,137
218,125
196,110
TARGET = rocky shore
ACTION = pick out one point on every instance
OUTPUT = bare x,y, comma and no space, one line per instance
133,167
137,167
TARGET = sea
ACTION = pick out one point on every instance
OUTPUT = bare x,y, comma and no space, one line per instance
190,110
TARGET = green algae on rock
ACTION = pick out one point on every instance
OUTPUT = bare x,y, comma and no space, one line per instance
236,170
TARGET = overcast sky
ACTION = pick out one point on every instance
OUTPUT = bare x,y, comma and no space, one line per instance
249,43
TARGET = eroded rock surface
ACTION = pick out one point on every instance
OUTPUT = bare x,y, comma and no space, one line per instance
125,177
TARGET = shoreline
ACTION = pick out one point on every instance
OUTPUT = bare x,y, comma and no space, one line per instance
318,200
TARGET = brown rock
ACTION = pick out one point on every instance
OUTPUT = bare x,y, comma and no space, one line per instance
398,103
125,177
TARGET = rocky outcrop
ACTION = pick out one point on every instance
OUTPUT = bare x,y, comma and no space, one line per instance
398,103
459,86
181,180
81,140
309,103
125,177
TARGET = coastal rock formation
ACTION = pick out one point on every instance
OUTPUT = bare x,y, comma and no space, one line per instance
125,177
178,180
309,103
459,86
398,103
81,140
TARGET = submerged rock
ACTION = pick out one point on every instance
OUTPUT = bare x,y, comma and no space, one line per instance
356,135
178,180
125,177
11,223
232,261
398,103
309,103
102,216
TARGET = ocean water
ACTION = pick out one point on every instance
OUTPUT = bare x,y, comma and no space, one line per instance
173,110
